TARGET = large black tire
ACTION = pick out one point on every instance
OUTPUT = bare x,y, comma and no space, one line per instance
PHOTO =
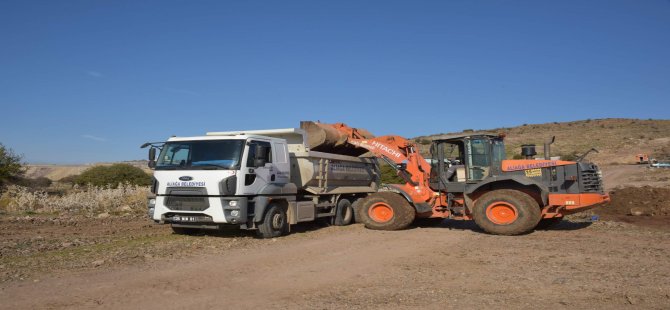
185,230
344,213
386,211
545,224
274,224
506,212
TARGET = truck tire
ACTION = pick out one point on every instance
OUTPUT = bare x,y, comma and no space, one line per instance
344,213
506,212
274,222
185,230
386,211
545,224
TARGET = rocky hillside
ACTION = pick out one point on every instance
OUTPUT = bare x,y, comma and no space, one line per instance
617,140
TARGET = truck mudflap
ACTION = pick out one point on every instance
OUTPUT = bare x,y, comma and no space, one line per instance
572,203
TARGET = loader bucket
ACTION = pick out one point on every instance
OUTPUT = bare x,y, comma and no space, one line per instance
332,138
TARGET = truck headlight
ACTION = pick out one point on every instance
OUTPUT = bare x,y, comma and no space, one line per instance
152,202
235,213
232,203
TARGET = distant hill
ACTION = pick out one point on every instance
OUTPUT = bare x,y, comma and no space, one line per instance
57,172
617,140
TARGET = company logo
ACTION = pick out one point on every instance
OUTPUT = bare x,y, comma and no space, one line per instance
186,178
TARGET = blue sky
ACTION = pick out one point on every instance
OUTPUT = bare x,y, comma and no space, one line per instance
89,81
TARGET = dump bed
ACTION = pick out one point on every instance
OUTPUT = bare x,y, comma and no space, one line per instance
323,172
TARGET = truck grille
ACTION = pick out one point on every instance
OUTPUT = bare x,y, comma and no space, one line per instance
187,199
590,179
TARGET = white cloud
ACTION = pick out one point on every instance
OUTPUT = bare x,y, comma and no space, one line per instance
94,74
94,138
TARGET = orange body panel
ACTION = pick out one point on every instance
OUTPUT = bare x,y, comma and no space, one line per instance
578,201
525,164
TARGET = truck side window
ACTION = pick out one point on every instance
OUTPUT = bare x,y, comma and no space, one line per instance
252,152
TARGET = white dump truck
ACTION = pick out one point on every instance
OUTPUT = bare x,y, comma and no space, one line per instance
264,180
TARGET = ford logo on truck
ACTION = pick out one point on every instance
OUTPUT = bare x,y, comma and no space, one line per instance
186,178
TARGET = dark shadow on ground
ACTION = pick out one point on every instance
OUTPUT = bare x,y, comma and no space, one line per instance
565,225
235,232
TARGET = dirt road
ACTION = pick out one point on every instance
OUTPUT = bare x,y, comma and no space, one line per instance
577,265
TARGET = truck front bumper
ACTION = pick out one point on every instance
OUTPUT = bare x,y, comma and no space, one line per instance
220,210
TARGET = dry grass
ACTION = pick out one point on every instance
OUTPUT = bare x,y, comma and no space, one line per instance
617,140
88,201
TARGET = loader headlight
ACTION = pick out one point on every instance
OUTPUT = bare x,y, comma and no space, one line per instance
235,213
232,203
152,202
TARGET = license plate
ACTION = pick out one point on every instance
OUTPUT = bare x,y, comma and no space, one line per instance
178,218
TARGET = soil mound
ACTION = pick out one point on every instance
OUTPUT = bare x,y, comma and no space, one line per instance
646,206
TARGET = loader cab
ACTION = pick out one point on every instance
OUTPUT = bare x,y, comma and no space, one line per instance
459,160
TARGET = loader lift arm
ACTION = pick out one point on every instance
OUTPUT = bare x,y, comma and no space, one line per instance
399,153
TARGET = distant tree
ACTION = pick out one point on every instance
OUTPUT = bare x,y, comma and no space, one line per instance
10,165
113,175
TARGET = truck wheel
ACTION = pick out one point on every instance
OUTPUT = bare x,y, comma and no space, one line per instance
548,223
506,212
274,223
386,211
344,214
185,230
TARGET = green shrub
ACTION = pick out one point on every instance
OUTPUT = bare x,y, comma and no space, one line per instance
40,182
10,165
113,176
70,179
389,175
517,156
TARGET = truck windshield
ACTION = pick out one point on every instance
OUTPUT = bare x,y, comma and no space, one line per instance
213,154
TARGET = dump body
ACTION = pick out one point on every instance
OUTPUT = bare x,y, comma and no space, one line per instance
239,178
324,173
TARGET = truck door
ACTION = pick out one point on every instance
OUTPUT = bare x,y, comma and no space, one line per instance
257,173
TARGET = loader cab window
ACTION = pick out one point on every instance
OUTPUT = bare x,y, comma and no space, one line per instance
498,150
478,158
447,162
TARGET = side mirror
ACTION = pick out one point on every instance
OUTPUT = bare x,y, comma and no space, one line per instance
152,157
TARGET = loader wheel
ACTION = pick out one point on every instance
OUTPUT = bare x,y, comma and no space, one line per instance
386,211
274,223
344,214
548,223
506,212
